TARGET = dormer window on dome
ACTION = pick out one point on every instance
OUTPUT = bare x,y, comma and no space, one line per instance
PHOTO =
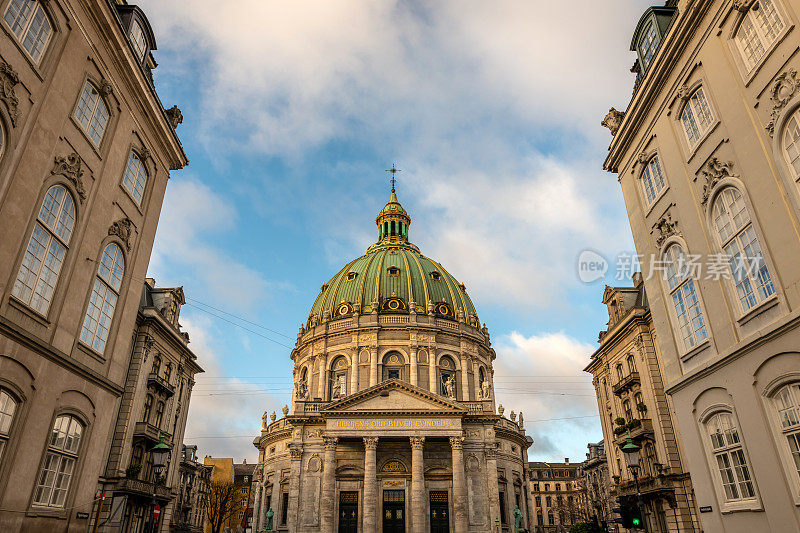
351,276
649,35
436,276
393,271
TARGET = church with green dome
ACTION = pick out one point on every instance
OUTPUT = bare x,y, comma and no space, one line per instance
393,424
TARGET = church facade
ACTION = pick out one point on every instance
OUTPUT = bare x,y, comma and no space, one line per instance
393,424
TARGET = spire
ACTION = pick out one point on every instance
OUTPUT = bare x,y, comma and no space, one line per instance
393,221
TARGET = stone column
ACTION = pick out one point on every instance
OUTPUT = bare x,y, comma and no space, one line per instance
257,506
433,384
476,379
328,486
373,367
413,368
296,451
354,374
321,383
419,503
459,485
370,498
464,378
494,487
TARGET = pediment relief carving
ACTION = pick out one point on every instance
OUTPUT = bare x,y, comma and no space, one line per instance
71,167
8,80
122,228
783,90
713,172
665,228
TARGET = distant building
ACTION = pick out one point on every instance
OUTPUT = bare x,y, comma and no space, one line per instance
597,481
86,148
193,483
559,496
630,394
243,478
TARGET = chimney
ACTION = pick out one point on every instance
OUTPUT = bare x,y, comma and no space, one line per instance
637,279
566,460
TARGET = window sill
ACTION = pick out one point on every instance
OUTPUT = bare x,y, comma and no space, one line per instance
48,512
88,139
750,74
82,346
692,150
704,344
747,506
130,197
35,67
769,303
22,307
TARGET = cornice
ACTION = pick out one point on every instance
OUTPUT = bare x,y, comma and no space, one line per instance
619,333
395,384
24,338
669,54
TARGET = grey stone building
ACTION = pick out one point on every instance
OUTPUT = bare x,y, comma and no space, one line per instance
706,155
154,407
392,425
85,153
597,480
194,479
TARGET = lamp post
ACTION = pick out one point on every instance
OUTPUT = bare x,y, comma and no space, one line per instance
160,453
631,452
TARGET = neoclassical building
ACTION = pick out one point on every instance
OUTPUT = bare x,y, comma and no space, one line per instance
392,425
707,155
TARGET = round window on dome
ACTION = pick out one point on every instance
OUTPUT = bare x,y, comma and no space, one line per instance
351,276
394,304
344,308
436,276
443,309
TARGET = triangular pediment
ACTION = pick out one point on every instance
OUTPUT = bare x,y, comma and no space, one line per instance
394,395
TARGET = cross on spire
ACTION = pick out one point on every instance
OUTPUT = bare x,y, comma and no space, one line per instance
394,171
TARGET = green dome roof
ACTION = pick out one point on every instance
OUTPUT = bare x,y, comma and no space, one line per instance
391,275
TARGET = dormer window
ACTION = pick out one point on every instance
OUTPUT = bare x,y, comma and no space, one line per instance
436,276
138,40
393,271
351,276
648,45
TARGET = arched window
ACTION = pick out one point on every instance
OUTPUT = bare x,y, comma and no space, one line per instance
392,366
338,381
167,372
2,138
761,26
156,370
138,40
653,179
791,143
63,446
620,373
135,177
8,406
105,292
447,374
691,323
148,406
46,250
696,117
638,401
649,459
30,25
92,113
631,363
728,453
737,238
787,404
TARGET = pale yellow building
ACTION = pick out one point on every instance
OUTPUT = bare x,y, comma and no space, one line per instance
707,158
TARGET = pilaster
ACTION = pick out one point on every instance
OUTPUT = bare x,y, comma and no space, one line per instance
459,485
328,486
370,503
296,452
418,500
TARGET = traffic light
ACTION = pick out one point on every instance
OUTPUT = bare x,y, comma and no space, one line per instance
630,512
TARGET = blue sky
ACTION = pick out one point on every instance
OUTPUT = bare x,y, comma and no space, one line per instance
292,111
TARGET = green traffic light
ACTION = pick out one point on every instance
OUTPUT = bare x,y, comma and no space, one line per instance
636,522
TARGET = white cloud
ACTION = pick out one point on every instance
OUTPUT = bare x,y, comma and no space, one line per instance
224,412
191,215
542,376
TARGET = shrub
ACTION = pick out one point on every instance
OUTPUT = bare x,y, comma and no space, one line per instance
619,421
132,471
642,408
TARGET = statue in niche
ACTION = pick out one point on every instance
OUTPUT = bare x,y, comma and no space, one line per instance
486,389
270,514
301,389
450,387
517,520
336,388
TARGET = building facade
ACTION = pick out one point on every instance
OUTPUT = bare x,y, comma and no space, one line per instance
85,153
630,395
243,478
707,158
597,481
559,496
392,425
154,406
194,479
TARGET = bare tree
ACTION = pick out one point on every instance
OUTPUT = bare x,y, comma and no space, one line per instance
222,504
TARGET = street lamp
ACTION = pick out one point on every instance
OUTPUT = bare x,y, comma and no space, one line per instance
160,453
631,452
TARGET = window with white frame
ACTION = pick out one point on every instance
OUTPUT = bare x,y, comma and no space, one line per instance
739,242
8,406
691,323
2,139
653,179
30,25
103,300
92,113
63,445
760,28
138,40
135,177
648,45
728,453
787,404
696,117
47,247
791,143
